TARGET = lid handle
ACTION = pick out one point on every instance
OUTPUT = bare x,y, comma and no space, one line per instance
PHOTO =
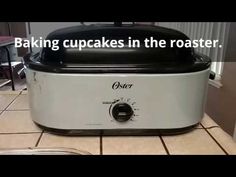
118,24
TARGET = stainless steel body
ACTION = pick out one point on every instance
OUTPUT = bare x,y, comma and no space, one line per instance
85,101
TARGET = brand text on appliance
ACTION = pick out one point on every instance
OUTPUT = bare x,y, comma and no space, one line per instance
118,85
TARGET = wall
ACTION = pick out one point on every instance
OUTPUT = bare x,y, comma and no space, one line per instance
221,102
18,29
3,29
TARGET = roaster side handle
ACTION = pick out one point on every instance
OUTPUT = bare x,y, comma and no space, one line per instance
212,75
29,57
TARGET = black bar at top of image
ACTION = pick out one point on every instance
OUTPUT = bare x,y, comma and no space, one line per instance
160,11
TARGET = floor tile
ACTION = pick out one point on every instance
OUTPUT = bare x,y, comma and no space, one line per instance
225,140
18,140
17,122
6,99
21,103
208,122
193,143
89,144
10,92
24,92
133,145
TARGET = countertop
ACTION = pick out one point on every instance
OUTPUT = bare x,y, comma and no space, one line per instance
18,131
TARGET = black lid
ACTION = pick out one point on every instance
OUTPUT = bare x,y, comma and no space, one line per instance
125,59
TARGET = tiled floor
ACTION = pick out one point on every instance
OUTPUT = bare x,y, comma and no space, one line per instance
18,131
133,145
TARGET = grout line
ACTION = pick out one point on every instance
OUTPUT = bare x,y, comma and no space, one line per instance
101,145
19,133
18,110
40,137
10,104
215,126
215,140
164,145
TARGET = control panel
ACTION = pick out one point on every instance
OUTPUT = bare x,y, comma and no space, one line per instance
122,109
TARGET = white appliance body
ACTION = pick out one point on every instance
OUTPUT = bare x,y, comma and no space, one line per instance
85,101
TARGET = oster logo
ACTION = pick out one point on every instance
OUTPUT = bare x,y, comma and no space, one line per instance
117,85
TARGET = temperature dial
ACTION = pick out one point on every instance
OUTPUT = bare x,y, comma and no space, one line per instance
122,112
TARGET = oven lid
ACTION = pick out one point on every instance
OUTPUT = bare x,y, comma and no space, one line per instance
124,59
